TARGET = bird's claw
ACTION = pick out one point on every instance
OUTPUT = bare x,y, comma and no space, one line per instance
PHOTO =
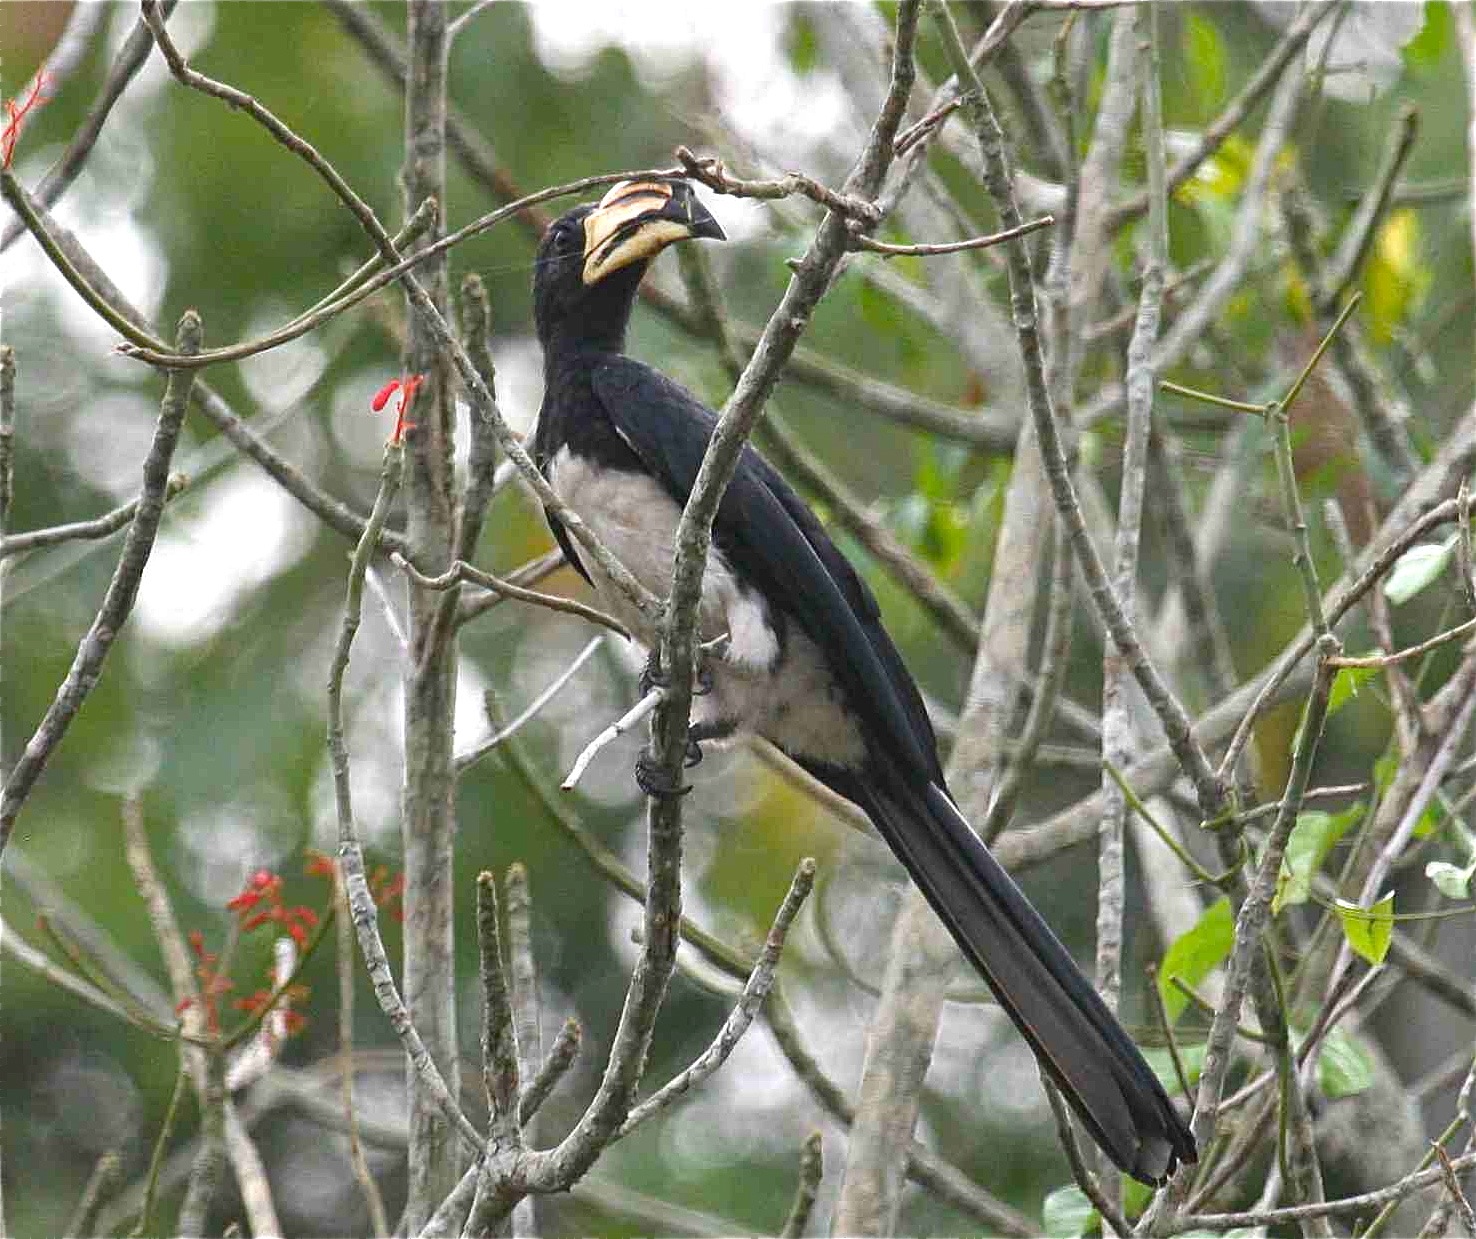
693,755
652,778
653,675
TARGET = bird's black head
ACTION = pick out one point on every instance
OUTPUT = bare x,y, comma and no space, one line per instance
592,258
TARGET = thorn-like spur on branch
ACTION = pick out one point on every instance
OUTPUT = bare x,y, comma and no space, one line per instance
710,172
613,732
872,246
924,128
626,722
742,1015
560,1058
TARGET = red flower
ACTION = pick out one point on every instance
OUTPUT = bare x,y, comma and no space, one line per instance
407,388
15,116
320,865
388,892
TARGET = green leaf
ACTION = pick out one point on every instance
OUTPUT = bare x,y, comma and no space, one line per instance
1193,955
1205,51
1162,1063
1368,930
1312,838
1345,686
1453,881
1417,568
1395,276
1067,1213
1135,1196
1426,48
803,43
1344,1066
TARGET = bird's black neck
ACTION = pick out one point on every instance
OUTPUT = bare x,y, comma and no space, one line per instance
591,321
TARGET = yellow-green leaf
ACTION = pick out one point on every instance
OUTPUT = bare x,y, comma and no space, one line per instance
1345,686
1368,930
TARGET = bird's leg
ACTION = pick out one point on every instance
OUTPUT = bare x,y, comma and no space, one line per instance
708,729
701,673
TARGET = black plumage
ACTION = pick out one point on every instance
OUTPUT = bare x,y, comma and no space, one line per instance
809,665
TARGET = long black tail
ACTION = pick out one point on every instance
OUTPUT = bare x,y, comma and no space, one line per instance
1078,1042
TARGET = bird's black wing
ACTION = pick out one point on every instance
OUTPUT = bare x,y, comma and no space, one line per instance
774,542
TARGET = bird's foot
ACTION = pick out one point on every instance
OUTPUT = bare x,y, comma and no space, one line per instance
653,780
693,755
653,675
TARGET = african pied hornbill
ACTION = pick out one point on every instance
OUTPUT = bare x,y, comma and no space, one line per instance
808,665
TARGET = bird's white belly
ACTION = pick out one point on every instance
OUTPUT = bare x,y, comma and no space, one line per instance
783,691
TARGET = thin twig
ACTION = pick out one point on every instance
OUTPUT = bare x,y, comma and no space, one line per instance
710,172
1358,236
1406,1186
117,602
811,1171
99,527
350,852
1453,1186
531,709
368,1188
1172,717
84,989
461,571
741,1017
1413,651
555,1066
872,246
156,1158
1109,1211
